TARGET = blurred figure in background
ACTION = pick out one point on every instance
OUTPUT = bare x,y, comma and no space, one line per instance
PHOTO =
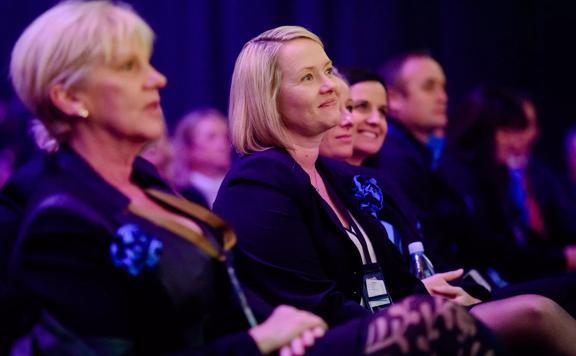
160,154
202,153
15,143
7,161
570,151
522,211
410,155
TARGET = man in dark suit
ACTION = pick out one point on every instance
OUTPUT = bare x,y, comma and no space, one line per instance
417,102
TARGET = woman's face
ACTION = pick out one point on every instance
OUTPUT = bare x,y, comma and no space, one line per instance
308,97
338,142
123,97
370,105
514,146
210,144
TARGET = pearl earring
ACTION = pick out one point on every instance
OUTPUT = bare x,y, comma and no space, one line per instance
83,113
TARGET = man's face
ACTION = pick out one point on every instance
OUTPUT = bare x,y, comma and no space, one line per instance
421,105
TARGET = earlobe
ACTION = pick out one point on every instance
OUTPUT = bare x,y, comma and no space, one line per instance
67,101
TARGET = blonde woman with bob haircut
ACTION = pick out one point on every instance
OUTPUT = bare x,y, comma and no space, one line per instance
255,123
36,69
295,220
111,259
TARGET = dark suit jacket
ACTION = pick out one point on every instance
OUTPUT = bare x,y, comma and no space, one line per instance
492,219
463,222
292,248
440,209
67,217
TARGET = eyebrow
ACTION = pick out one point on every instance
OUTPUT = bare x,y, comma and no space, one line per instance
360,101
312,67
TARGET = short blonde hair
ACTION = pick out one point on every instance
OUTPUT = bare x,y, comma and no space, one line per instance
60,46
255,122
182,141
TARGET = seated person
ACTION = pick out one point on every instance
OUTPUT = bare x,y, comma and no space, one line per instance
161,154
203,153
521,211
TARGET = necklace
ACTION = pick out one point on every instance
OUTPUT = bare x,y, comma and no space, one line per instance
315,185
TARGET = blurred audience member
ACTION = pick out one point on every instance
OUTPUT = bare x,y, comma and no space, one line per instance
523,211
570,152
7,161
159,153
410,155
202,152
15,143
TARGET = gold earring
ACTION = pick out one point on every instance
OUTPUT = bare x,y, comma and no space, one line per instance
83,113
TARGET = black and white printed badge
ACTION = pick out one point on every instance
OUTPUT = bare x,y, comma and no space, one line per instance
374,291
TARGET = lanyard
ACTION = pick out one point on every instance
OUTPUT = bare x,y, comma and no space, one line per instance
202,242
193,210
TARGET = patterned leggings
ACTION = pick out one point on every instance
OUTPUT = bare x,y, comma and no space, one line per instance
417,325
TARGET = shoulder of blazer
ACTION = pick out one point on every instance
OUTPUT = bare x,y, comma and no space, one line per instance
273,167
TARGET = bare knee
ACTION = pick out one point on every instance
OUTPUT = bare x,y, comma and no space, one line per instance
538,310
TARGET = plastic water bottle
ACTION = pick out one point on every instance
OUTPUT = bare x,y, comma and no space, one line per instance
420,265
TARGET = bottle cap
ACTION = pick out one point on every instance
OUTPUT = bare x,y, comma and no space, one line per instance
415,247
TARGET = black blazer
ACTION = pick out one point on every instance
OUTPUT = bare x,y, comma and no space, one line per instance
444,213
492,214
68,217
292,248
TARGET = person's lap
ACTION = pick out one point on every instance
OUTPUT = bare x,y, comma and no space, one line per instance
417,325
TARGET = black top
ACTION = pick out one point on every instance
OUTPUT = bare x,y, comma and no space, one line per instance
292,248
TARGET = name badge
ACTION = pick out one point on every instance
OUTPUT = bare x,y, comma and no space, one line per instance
375,293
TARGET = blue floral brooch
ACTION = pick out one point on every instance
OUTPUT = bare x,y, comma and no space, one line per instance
134,250
369,194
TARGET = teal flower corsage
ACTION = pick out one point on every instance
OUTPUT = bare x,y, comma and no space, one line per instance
134,250
369,194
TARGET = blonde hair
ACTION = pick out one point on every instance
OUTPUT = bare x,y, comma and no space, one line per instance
182,141
61,45
255,122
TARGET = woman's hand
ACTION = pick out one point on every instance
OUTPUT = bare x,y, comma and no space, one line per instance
438,285
289,329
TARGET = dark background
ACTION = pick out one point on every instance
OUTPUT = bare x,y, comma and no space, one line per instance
524,44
